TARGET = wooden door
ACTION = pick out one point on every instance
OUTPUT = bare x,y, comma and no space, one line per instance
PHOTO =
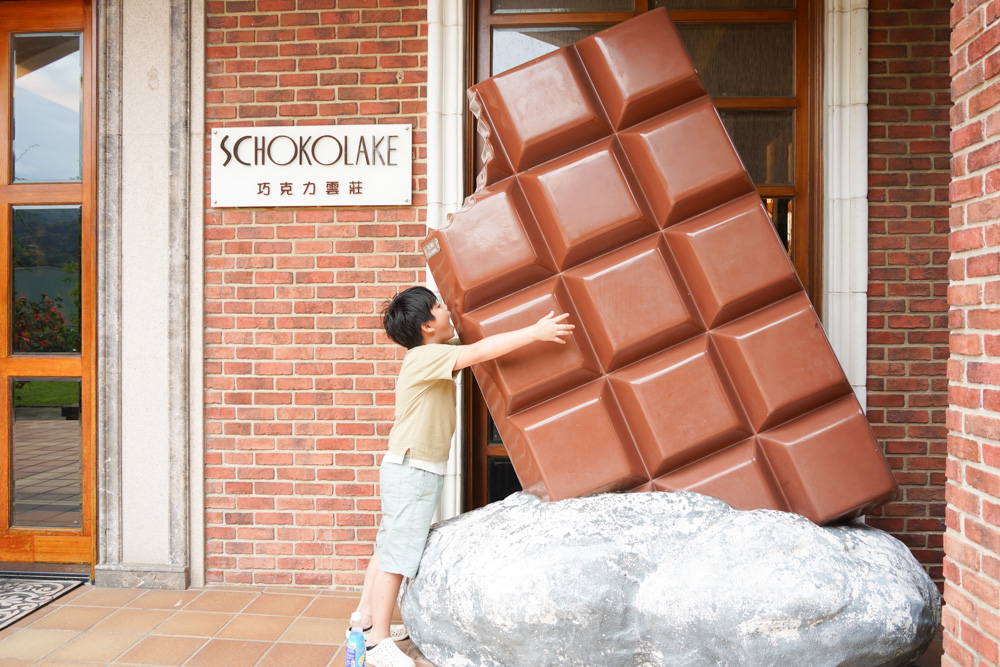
760,62
47,282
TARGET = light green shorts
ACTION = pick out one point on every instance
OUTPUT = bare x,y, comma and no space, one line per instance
409,498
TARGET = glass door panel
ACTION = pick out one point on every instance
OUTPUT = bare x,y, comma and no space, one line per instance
45,300
501,479
743,59
47,454
717,5
780,210
47,131
553,6
765,141
516,46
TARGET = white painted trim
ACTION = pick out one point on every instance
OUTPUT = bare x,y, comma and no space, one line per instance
445,170
845,186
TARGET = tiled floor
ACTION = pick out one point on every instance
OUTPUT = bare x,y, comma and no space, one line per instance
215,627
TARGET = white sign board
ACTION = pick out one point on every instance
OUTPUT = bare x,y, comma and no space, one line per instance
312,165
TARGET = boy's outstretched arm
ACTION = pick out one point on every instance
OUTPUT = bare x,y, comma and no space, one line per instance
549,328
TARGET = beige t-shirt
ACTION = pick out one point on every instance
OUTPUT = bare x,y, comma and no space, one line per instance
425,403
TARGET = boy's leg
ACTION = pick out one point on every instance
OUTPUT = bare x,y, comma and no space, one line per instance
409,497
365,604
383,602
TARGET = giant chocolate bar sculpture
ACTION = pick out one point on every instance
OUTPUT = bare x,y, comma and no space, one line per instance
612,192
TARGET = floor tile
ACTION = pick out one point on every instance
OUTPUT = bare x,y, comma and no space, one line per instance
34,616
248,626
11,662
278,605
137,621
331,607
300,655
73,618
74,594
104,597
239,588
95,647
224,601
287,590
162,650
192,624
31,643
229,652
164,599
316,631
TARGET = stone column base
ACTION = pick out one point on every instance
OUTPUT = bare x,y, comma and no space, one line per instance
134,575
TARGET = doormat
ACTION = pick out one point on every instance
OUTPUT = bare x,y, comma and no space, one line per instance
19,596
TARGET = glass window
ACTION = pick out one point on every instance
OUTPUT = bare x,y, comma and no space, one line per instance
502,479
554,6
765,140
48,92
516,46
47,447
45,300
780,210
743,59
710,5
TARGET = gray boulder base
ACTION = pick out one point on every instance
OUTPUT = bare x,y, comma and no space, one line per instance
664,579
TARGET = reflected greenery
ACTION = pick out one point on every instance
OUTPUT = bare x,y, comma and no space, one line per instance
39,326
46,392
45,304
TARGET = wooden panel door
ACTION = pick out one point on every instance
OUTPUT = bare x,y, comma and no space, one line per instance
760,62
47,282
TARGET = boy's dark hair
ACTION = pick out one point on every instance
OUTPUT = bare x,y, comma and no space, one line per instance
403,316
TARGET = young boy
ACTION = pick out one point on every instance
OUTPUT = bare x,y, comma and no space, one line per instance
412,471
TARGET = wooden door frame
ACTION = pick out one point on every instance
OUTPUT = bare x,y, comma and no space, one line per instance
54,545
807,248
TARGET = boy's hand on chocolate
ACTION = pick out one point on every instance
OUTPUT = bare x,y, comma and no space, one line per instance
552,328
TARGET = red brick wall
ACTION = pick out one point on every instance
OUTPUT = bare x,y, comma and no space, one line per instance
972,541
908,259
299,376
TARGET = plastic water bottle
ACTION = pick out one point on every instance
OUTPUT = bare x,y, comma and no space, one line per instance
356,643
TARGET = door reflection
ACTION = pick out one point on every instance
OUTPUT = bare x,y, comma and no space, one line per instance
47,129
45,258
47,448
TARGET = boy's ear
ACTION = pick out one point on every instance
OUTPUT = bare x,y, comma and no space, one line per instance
427,327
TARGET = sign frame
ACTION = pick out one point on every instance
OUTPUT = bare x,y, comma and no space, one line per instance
301,166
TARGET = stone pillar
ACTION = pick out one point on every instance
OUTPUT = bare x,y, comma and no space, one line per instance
149,429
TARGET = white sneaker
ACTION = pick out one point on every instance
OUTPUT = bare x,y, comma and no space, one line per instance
387,654
397,632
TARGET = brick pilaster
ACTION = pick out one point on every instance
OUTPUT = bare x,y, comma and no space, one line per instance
299,376
972,541
908,259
